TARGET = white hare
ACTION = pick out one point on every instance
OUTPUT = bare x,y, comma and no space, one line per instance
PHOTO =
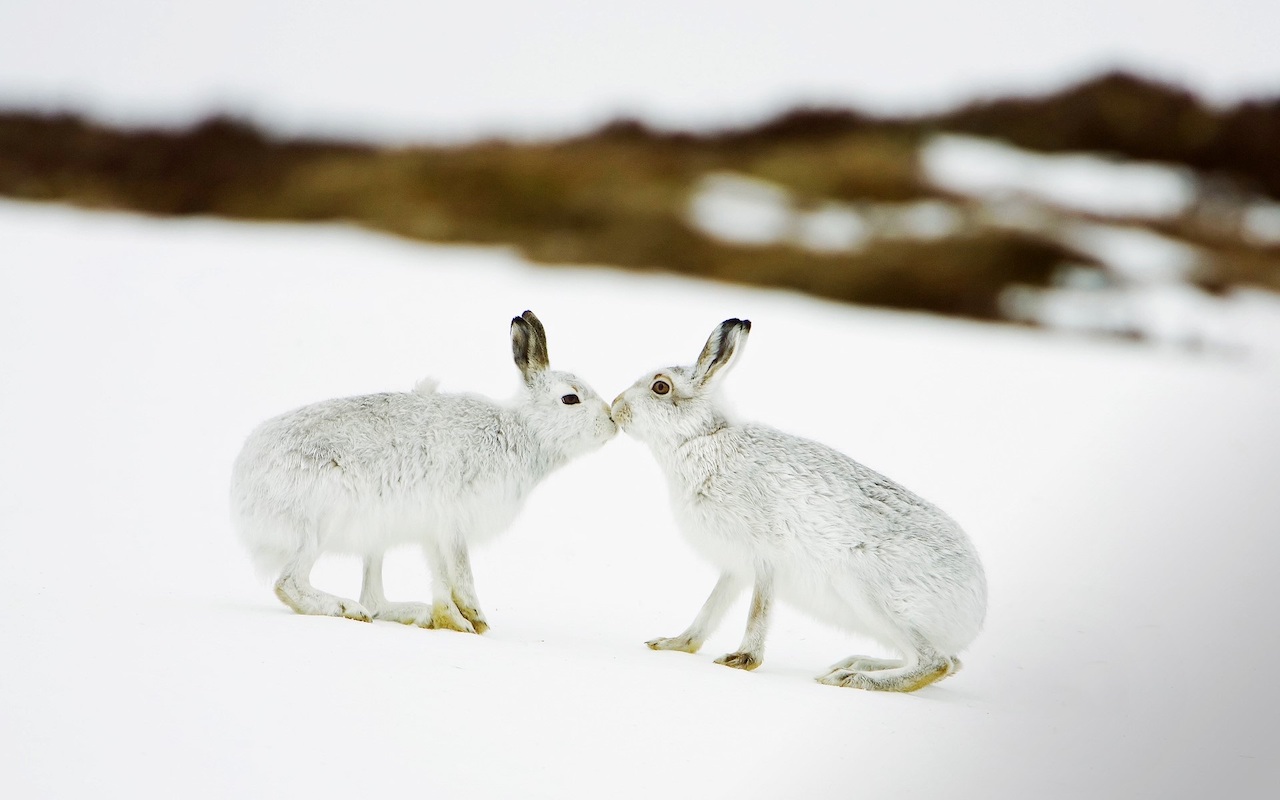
363,474
795,518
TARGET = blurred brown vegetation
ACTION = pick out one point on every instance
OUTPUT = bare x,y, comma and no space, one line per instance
620,196
1128,116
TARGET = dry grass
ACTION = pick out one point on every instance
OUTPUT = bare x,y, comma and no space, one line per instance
620,196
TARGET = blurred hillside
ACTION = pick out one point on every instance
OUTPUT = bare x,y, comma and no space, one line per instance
997,210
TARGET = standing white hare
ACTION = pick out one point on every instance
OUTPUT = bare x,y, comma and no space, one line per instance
363,474
798,519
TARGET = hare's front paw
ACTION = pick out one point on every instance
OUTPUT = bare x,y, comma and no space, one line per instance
476,617
747,661
471,613
446,616
682,643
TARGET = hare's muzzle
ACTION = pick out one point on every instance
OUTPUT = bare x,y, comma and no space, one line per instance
620,411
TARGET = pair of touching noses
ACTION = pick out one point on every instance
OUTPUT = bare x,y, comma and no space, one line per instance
779,515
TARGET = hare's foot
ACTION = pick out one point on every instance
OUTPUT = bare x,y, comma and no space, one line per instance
405,613
306,599
682,643
747,661
891,679
446,616
476,619
471,613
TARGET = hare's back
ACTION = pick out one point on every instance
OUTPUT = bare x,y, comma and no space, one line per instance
380,429
371,471
810,466
827,487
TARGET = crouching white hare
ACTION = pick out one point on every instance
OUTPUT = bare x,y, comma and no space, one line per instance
796,518
364,474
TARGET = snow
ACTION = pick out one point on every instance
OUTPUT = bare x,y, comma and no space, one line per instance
741,209
399,70
1262,223
831,228
1136,255
922,219
1176,315
746,210
1146,289
1123,499
983,168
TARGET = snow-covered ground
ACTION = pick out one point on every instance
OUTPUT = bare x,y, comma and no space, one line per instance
404,70
1143,284
1124,500
974,166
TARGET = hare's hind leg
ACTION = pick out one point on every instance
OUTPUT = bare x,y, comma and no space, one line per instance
295,590
922,666
372,598
892,679
727,589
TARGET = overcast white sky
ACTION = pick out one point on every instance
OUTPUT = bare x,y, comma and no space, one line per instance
411,70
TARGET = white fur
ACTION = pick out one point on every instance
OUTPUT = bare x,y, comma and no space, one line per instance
798,519
363,474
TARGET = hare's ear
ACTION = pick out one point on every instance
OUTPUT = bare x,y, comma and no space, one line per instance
722,350
529,345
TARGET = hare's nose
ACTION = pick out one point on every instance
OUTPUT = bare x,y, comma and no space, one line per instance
619,408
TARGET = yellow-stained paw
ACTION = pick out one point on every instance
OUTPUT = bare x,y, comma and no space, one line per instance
446,617
745,661
674,643
884,680
927,678
471,614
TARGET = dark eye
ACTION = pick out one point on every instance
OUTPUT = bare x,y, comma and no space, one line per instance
570,400
660,387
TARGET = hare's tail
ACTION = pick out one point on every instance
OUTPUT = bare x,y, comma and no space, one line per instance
271,543
427,386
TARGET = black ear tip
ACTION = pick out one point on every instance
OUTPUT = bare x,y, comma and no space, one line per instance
746,325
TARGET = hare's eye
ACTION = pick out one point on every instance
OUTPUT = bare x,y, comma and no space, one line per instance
660,387
570,400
